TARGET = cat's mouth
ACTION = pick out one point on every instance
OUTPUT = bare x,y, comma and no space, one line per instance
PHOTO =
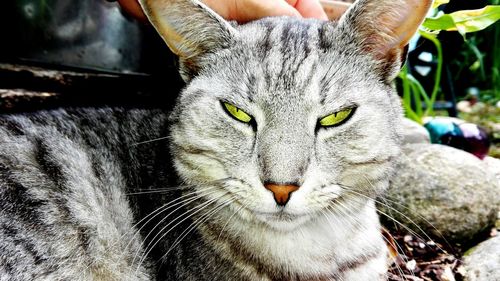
280,215
282,220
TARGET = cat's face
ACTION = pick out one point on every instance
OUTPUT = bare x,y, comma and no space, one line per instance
287,102
285,83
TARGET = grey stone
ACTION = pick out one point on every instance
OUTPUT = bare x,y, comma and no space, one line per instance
493,164
497,223
482,262
444,191
414,132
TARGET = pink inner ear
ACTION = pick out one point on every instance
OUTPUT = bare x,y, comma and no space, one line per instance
413,16
393,25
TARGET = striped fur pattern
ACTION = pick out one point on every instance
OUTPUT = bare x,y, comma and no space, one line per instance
64,176
101,194
328,230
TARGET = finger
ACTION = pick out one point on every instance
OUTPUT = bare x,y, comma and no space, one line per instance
276,8
334,9
133,8
222,8
309,8
248,10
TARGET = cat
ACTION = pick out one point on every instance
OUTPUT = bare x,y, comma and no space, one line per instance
265,169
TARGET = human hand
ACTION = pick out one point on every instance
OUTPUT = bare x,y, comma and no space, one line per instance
247,10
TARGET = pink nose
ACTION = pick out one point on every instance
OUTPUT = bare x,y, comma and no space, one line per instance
281,192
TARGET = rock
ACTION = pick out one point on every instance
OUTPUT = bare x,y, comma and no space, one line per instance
446,192
497,223
493,165
414,132
464,106
482,262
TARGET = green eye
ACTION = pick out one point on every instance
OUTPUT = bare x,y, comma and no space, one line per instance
237,113
336,118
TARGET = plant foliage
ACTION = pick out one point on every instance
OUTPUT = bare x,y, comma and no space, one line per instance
416,101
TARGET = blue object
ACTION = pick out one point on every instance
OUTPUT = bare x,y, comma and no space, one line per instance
442,131
467,136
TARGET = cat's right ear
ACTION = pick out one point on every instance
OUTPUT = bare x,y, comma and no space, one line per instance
382,29
190,30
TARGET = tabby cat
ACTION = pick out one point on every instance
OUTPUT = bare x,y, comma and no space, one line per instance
266,169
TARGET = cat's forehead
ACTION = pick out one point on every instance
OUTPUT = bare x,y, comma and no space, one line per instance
287,40
288,59
278,32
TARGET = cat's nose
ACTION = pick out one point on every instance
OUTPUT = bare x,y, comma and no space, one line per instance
281,192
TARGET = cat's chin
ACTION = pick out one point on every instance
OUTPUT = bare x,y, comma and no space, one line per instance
282,221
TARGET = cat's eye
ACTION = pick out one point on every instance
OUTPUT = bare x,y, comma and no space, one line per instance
336,118
237,113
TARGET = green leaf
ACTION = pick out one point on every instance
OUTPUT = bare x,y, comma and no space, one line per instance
465,21
439,68
442,22
475,66
479,61
428,32
407,96
438,3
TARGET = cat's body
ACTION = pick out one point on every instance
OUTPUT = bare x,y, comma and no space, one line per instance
74,183
71,184
64,212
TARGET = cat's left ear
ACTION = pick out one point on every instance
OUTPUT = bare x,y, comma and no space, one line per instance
383,28
190,30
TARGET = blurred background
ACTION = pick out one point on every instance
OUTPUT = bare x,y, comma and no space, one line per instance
81,52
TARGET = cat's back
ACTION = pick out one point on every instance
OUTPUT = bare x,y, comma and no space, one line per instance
64,176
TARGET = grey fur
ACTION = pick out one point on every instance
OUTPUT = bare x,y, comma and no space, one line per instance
73,183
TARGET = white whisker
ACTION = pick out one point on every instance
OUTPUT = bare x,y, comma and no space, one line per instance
163,208
192,213
179,205
398,222
197,222
148,141
231,217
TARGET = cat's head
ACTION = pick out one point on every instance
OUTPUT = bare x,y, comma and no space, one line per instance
286,104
